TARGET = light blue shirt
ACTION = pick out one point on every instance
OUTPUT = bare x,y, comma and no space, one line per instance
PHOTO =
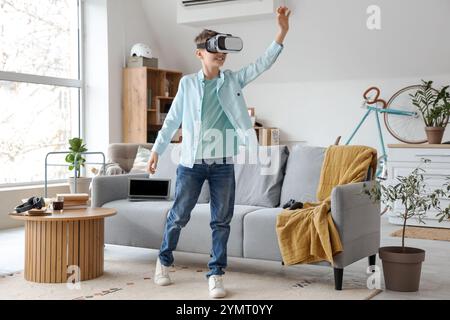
217,134
186,108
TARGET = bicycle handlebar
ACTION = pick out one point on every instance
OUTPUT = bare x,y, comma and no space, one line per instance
369,100
367,97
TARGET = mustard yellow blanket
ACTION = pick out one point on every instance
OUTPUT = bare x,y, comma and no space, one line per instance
309,234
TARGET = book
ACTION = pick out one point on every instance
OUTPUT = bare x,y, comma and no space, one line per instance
71,203
268,136
73,196
85,206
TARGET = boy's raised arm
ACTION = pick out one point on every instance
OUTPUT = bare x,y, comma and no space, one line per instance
250,72
283,14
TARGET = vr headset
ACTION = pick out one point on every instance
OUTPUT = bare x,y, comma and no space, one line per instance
223,43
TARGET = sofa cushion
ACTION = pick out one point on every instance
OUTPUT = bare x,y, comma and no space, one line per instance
125,153
259,184
141,160
138,224
260,237
166,168
196,236
302,174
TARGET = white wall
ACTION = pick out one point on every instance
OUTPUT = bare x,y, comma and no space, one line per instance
127,25
96,116
112,27
314,91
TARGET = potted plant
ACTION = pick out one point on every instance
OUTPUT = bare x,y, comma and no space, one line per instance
401,264
76,161
435,108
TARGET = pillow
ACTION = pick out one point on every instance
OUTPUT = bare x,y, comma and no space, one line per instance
302,174
113,169
166,168
259,184
141,160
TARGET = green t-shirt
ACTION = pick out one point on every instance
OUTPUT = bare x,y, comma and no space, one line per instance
214,127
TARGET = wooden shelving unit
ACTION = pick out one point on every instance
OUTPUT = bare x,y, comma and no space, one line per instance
147,96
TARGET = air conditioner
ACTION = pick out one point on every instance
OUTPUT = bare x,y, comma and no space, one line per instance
202,13
188,3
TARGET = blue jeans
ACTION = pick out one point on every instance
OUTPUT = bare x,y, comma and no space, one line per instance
187,190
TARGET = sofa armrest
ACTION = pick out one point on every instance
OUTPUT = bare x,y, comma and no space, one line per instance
354,213
110,188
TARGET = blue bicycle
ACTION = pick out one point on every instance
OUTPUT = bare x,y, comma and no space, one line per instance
401,117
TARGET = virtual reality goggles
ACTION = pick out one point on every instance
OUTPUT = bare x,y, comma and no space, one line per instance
223,43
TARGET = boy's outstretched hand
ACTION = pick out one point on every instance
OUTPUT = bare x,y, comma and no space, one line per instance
283,14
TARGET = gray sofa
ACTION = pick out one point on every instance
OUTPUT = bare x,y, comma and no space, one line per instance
259,199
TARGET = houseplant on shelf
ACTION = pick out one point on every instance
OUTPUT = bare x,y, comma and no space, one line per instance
435,108
402,265
76,161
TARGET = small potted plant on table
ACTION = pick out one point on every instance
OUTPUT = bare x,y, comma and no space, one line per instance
402,265
76,161
435,109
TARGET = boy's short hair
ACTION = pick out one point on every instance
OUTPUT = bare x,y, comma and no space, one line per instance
205,35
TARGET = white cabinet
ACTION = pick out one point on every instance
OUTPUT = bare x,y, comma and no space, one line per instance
404,158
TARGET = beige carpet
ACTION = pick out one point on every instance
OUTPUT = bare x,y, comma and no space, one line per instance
441,234
130,276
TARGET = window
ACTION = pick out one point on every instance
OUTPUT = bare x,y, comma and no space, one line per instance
40,86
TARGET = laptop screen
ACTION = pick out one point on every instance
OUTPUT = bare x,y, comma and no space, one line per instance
151,188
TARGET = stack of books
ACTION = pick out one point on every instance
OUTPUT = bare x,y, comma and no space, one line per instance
75,200
268,136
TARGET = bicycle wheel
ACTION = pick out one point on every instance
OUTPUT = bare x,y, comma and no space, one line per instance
407,129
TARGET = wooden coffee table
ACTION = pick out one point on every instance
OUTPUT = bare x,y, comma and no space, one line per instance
60,240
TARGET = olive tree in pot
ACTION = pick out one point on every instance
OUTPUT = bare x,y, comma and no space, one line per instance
76,161
435,109
402,265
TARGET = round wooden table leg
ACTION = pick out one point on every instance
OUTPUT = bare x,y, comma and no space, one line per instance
86,248
36,251
27,250
53,246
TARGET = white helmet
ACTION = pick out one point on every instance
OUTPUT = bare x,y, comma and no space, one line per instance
141,50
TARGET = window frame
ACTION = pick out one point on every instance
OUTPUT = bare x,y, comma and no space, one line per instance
57,82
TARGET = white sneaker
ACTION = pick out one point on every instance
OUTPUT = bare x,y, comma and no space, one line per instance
161,274
216,289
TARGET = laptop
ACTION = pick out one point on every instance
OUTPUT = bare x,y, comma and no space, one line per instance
141,189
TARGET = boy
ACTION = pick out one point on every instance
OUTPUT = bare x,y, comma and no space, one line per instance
210,105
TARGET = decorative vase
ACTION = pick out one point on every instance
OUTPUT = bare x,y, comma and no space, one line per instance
402,268
83,184
435,134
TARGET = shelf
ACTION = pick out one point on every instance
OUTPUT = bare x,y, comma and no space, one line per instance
154,127
164,98
144,101
420,146
162,70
